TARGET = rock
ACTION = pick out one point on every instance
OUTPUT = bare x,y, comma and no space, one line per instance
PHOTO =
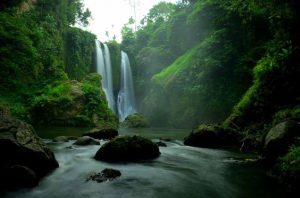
20,177
64,138
74,106
85,140
135,121
105,134
279,139
105,175
161,144
166,139
211,136
24,153
127,148
60,139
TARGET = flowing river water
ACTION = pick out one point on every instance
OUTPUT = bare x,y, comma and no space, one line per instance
180,172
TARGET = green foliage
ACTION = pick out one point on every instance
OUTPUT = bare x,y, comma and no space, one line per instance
290,163
273,87
96,104
79,53
115,56
71,103
196,62
286,114
22,66
38,52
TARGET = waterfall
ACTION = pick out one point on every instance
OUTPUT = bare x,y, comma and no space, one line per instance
104,69
126,101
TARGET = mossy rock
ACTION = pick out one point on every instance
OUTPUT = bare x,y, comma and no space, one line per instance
100,133
135,121
73,103
279,139
127,148
85,141
211,136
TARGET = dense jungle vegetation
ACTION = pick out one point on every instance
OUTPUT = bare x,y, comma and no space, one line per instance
196,60
233,63
41,53
230,62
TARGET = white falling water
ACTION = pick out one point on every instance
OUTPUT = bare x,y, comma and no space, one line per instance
104,69
126,101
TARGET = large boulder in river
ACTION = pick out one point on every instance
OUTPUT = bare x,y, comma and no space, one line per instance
135,121
85,140
24,157
279,139
211,136
127,148
100,133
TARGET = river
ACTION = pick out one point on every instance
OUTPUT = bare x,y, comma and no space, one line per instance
180,172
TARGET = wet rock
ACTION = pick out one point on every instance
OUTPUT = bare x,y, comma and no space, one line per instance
64,138
99,133
127,148
85,140
279,139
211,136
135,121
20,177
23,152
161,144
166,139
105,175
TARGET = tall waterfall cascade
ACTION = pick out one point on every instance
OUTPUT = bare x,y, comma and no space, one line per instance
126,100
104,69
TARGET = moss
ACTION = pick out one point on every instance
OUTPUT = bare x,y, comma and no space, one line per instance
212,136
73,103
135,121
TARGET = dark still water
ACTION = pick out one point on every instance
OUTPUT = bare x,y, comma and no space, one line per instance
179,172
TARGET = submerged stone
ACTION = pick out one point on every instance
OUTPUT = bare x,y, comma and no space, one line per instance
107,174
